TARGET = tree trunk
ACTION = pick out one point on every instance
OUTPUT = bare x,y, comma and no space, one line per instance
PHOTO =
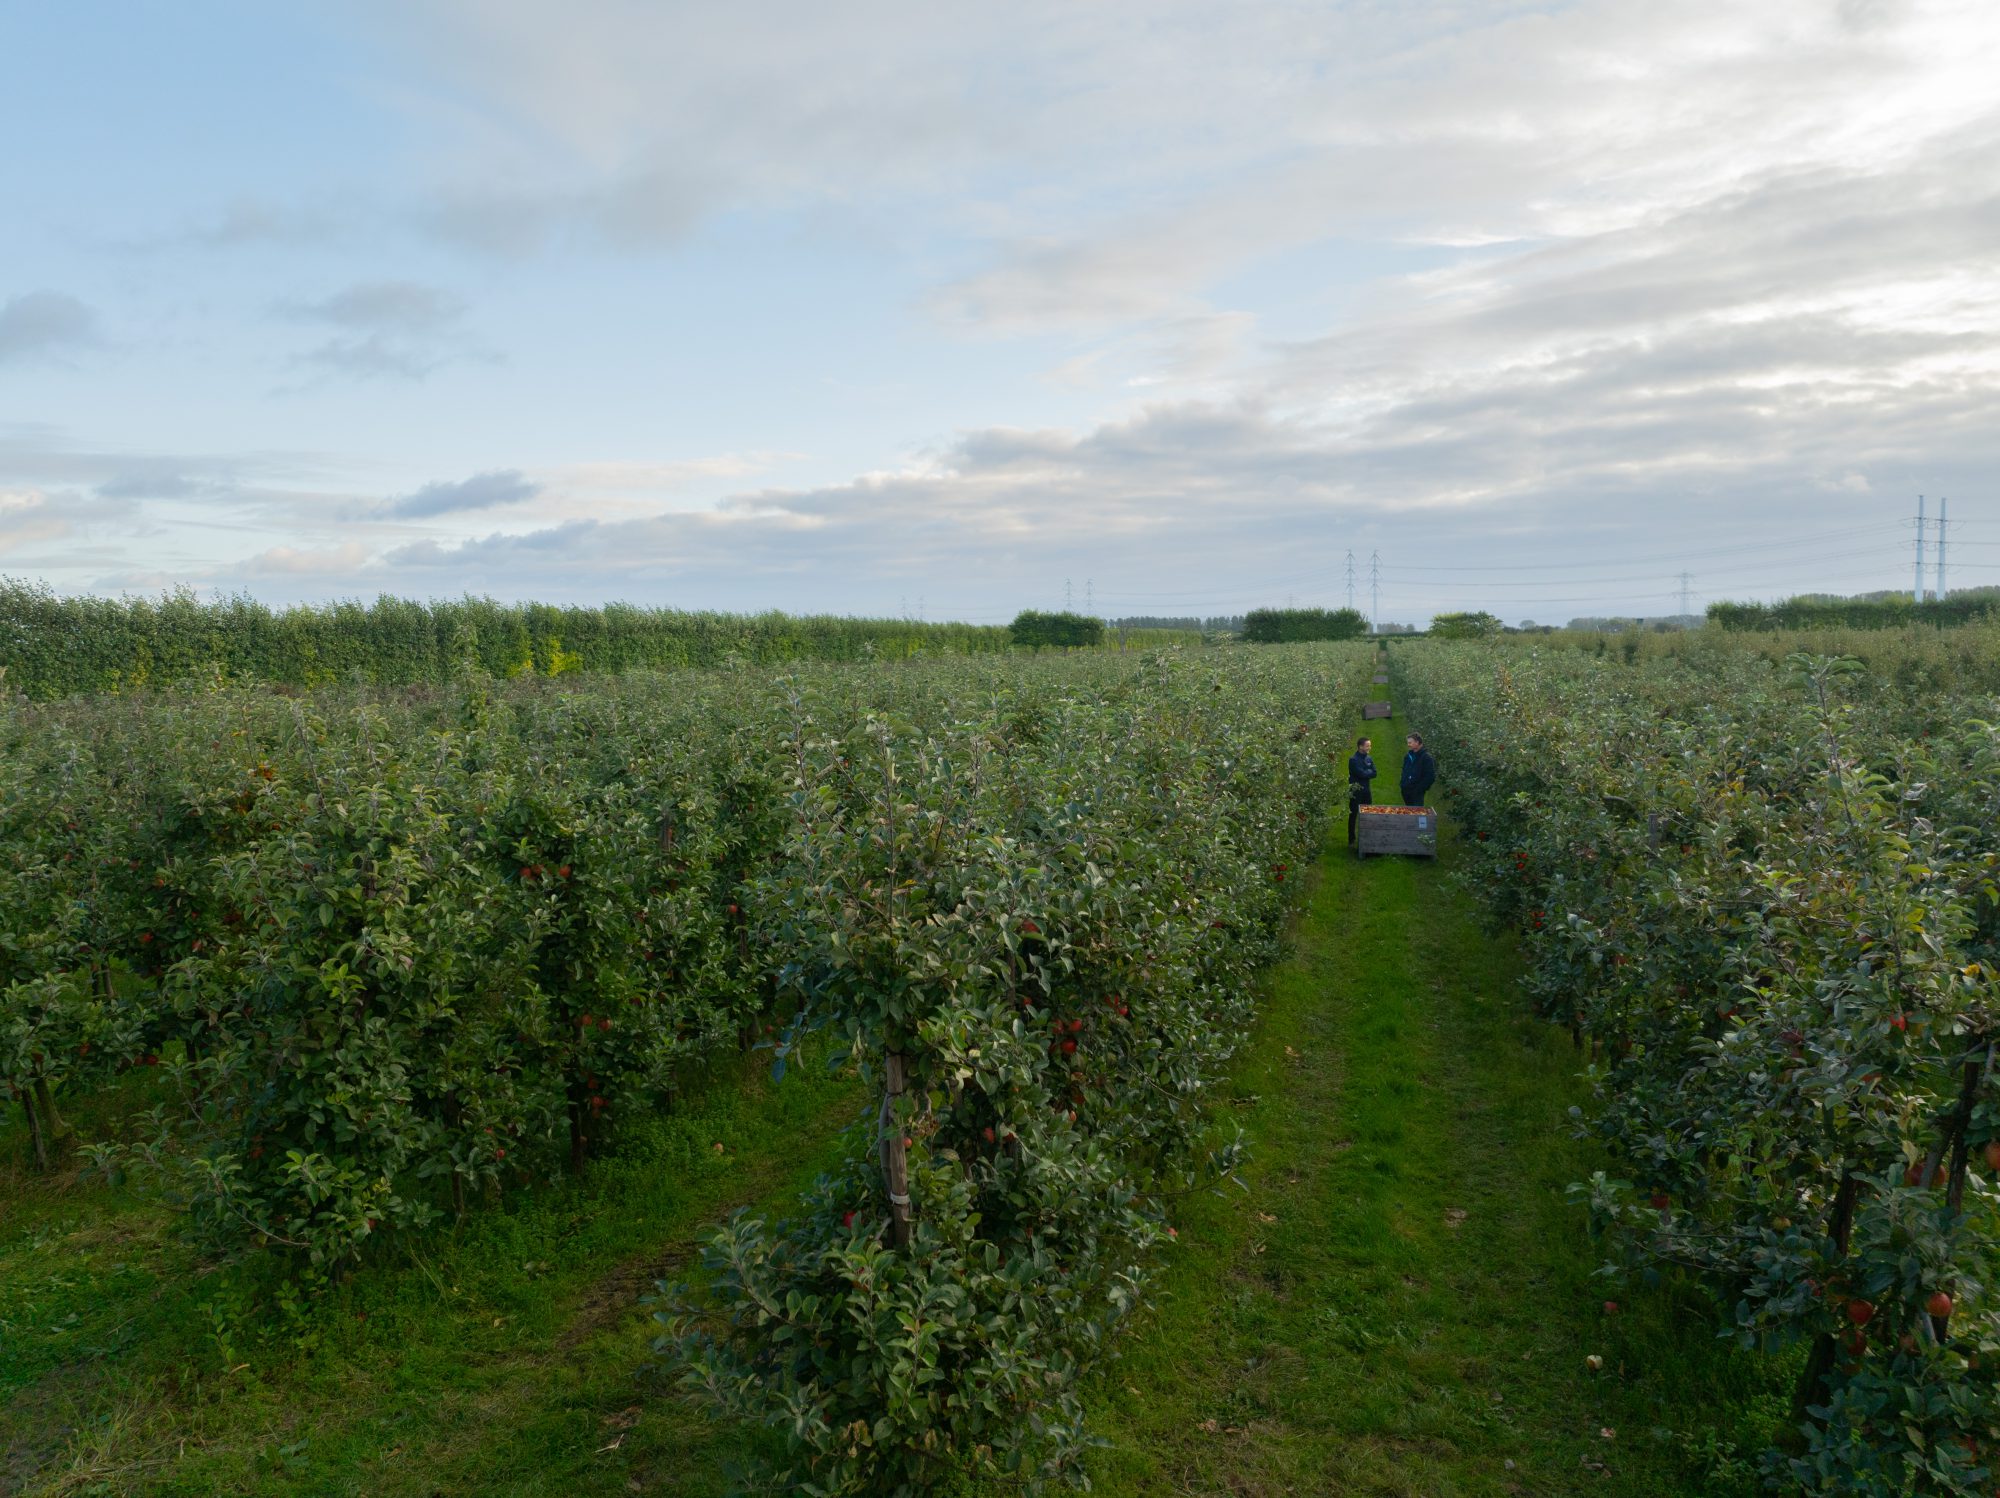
895,1158
35,1132
1811,1388
45,1100
577,1139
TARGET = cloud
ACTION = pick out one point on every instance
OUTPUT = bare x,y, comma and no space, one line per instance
1517,125
290,561
374,357
393,329
253,222
648,209
624,124
250,221
385,307
483,491
26,516
144,480
45,325
1495,284
1645,465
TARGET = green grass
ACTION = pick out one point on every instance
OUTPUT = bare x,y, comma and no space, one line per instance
509,1357
1400,1303
1403,1300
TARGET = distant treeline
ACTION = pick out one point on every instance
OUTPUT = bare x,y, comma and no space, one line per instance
1619,624
1286,626
1878,611
54,647
1222,624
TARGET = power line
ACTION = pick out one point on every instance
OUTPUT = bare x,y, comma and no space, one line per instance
1419,577
1543,569
1670,556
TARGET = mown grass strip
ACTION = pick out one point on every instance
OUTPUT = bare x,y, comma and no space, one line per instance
509,1357
1403,1301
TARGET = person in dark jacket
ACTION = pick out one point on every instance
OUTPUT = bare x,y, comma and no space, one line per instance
1420,771
1360,782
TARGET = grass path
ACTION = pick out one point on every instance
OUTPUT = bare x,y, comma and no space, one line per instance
1403,1300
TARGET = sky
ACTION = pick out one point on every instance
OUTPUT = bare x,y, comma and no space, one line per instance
940,309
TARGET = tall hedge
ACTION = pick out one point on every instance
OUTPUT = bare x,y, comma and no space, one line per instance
1856,613
1291,626
1036,629
55,647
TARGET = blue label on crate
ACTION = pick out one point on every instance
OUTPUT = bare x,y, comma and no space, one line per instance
1423,822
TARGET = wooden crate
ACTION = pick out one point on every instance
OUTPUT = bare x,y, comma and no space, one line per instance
1410,830
1380,678
1376,710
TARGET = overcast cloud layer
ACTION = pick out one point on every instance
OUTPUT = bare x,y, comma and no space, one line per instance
887,308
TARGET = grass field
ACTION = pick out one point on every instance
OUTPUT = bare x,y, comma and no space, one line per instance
1402,1301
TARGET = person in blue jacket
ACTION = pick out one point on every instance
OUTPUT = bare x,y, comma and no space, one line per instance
1420,771
1360,782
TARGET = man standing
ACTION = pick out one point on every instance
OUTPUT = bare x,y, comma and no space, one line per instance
1419,771
1360,782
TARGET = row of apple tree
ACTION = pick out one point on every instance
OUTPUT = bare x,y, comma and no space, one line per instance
1764,895
1036,931
386,954
371,958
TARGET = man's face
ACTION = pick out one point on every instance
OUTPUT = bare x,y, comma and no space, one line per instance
1414,744
1367,746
